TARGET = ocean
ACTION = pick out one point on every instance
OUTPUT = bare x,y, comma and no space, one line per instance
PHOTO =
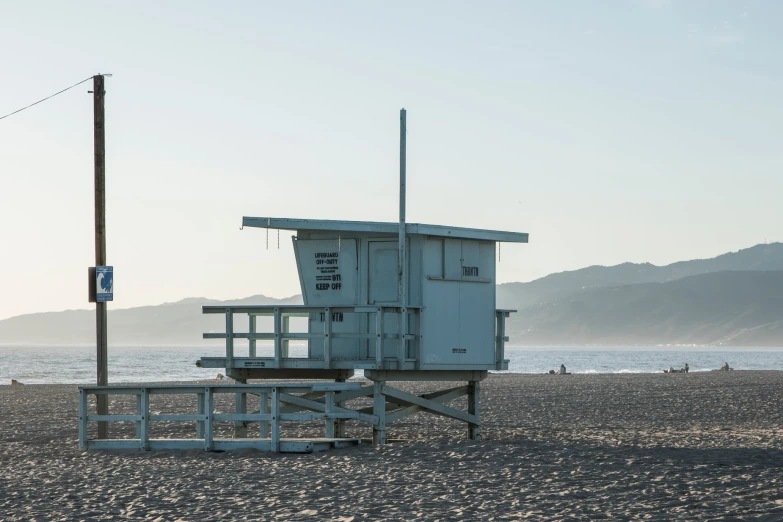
77,364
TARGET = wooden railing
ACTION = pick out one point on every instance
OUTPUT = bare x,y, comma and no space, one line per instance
270,415
281,333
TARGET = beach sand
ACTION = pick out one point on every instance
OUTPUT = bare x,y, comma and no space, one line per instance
701,446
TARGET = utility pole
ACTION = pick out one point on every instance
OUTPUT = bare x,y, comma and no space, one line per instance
100,244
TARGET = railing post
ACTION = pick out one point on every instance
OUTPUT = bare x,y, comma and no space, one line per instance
82,420
379,339
327,337
277,338
208,426
144,399
229,338
140,413
275,440
402,328
252,330
264,408
286,329
328,409
240,427
500,343
200,410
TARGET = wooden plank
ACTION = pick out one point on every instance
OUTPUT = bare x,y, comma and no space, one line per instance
190,417
246,417
115,418
337,386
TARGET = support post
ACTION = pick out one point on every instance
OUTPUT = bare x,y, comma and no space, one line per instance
286,329
82,420
264,408
379,410
403,254
144,400
329,408
252,330
201,411
474,430
327,337
275,438
278,344
339,424
240,427
500,339
379,338
229,339
100,244
208,425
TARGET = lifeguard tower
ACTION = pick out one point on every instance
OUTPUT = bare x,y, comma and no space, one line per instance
399,301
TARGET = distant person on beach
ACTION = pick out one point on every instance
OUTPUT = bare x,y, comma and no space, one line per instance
725,367
562,369
686,368
671,369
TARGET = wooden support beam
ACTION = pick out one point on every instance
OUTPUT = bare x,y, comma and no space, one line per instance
314,405
208,411
328,409
428,405
240,427
379,410
144,439
474,428
263,408
200,409
275,437
441,397
82,420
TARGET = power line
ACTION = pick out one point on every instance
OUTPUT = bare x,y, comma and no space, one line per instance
51,96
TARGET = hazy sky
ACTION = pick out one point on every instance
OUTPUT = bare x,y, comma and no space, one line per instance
610,131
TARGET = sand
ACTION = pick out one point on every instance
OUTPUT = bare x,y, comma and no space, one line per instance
705,446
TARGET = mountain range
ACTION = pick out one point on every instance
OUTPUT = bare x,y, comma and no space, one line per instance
733,299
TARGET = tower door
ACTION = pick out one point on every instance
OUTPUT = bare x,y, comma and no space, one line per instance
382,289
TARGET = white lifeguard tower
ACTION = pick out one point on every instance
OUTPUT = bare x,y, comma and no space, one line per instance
399,301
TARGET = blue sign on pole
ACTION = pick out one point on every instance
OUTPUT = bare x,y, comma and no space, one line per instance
104,283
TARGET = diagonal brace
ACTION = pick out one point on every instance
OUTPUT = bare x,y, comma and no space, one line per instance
429,405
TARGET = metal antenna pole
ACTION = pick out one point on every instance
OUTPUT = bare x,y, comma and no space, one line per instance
100,244
403,256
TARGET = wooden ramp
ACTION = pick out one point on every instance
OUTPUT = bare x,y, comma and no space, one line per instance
285,445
